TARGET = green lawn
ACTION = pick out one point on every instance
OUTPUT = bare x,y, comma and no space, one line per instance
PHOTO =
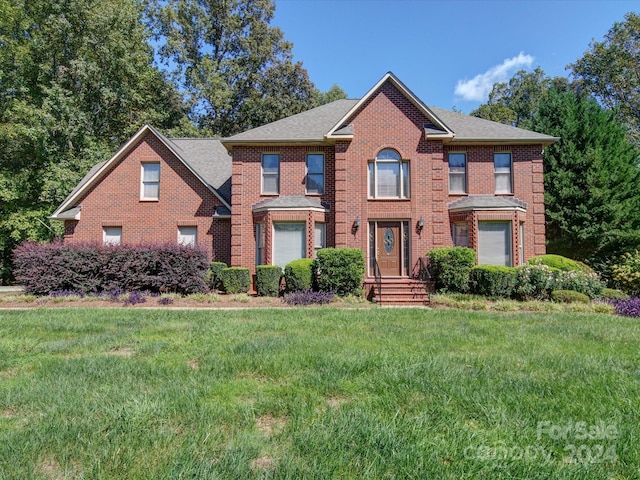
318,393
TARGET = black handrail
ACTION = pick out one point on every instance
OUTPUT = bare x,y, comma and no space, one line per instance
378,277
421,272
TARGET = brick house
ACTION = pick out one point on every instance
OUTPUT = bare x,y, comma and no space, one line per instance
385,174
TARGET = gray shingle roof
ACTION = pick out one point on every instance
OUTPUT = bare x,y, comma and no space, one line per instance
311,125
468,128
209,159
289,202
480,202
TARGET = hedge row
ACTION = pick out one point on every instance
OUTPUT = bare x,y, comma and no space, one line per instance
91,268
454,271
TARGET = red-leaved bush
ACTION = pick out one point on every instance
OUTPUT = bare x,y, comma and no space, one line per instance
92,268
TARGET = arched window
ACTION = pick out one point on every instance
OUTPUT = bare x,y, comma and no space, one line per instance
388,175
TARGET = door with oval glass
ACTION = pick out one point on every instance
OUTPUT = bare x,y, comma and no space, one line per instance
389,248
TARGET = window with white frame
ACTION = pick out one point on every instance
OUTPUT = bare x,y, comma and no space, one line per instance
457,172
150,181
315,173
260,234
111,235
388,176
502,172
289,242
494,243
188,236
460,234
319,237
271,173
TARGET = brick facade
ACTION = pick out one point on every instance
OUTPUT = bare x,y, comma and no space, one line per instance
388,118
183,201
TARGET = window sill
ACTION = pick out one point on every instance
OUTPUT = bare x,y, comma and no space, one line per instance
152,200
458,194
504,194
388,199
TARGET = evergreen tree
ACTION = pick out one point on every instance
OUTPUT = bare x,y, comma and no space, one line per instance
591,178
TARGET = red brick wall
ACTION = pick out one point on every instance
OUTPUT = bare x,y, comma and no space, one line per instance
386,120
183,201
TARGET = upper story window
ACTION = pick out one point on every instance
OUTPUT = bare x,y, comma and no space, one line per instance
271,173
150,181
457,173
315,173
388,176
502,172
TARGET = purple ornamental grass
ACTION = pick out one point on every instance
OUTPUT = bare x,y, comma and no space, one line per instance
629,307
308,297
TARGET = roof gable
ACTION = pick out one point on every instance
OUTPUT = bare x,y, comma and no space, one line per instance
191,152
436,128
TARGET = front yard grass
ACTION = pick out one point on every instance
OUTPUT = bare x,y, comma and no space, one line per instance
318,393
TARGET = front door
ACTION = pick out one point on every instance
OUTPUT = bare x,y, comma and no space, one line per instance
389,248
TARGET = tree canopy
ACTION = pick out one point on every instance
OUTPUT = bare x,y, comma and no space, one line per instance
591,178
76,80
235,70
610,71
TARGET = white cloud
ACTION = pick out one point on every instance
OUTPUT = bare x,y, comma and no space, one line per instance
479,87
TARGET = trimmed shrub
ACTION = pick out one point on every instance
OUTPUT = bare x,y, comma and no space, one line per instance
340,270
533,282
569,296
213,275
626,273
298,275
586,283
560,263
92,268
629,307
612,294
492,281
450,267
235,279
308,297
268,280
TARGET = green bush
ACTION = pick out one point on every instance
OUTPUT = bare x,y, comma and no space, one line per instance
626,273
450,267
569,296
533,282
235,279
492,281
213,275
560,263
586,283
340,270
298,275
268,280
612,294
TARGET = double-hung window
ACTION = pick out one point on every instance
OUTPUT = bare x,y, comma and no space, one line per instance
315,173
460,234
388,176
150,182
457,173
319,237
502,172
271,173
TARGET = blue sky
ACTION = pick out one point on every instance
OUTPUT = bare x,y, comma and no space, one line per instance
449,53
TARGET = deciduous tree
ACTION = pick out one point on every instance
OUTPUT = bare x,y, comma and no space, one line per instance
235,70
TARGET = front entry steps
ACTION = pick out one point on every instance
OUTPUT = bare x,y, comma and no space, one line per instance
398,291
